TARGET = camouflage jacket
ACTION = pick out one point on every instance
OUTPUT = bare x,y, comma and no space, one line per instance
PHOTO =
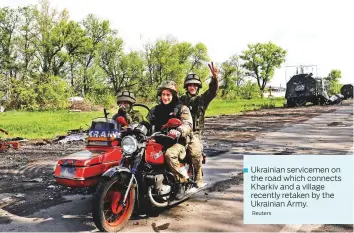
133,116
199,104
161,114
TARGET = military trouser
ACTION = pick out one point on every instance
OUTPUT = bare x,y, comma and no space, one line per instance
195,150
173,155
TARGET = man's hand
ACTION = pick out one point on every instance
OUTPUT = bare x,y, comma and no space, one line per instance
174,133
122,111
214,70
122,107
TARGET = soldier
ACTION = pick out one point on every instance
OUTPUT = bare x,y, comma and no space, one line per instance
170,107
198,104
125,101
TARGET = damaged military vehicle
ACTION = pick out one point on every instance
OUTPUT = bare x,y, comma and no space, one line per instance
304,88
347,91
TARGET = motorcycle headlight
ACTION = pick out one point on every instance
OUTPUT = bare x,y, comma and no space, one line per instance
129,144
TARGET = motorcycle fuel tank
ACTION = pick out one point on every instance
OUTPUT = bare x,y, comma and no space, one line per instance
154,154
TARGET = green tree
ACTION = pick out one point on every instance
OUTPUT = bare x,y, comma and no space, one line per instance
232,75
123,70
249,90
96,32
50,38
9,20
76,49
333,80
25,43
261,60
170,59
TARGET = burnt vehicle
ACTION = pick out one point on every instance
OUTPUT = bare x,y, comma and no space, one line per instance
304,88
347,91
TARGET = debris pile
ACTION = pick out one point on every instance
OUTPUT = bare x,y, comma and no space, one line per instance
8,143
78,104
72,136
336,99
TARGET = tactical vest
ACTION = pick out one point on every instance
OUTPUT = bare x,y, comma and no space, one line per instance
196,106
129,116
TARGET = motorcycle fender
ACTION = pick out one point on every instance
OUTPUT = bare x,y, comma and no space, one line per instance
115,170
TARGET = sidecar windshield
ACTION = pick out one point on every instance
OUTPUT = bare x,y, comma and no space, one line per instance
103,128
103,124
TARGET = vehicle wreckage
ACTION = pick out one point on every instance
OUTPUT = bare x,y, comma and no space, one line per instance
6,144
347,91
304,88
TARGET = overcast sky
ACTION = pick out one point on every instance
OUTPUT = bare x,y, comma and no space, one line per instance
313,32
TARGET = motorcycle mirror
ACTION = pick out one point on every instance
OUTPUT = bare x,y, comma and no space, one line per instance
172,123
121,120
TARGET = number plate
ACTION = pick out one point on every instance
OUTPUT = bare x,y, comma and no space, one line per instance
67,172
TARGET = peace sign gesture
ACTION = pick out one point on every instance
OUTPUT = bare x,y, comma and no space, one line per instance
213,70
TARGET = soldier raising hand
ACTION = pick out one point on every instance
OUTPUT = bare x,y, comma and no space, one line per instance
198,104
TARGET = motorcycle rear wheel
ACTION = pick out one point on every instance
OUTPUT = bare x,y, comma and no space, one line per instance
107,213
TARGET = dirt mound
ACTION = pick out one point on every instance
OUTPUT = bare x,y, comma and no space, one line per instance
84,106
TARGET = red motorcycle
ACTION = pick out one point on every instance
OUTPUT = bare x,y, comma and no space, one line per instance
102,151
141,179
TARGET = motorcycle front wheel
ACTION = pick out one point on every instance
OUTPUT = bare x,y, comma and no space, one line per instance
107,211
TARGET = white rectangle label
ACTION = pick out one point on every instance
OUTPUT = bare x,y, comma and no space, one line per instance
298,189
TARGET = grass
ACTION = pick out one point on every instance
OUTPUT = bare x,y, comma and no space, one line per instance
222,107
49,124
37,125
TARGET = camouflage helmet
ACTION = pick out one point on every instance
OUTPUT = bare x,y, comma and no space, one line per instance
192,78
169,85
126,96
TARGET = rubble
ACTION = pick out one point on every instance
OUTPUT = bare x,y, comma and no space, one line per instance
7,143
336,99
37,180
72,136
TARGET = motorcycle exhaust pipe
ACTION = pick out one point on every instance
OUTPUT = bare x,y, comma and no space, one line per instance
155,203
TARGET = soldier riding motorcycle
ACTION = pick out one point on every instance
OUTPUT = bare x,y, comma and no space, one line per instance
142,177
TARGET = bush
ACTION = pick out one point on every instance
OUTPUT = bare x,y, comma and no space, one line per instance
53,94
101,97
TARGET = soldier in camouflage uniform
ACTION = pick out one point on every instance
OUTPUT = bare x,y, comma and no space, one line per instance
198,104
171,107
125,101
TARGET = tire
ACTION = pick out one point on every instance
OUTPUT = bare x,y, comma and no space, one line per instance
109,191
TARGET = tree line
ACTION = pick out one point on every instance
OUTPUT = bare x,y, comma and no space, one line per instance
45,57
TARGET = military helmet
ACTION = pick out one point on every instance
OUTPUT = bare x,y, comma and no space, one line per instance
192,78
126,96
169,85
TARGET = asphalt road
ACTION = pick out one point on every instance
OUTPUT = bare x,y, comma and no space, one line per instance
218,209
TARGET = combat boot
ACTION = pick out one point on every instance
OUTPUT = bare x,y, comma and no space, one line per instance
199,179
